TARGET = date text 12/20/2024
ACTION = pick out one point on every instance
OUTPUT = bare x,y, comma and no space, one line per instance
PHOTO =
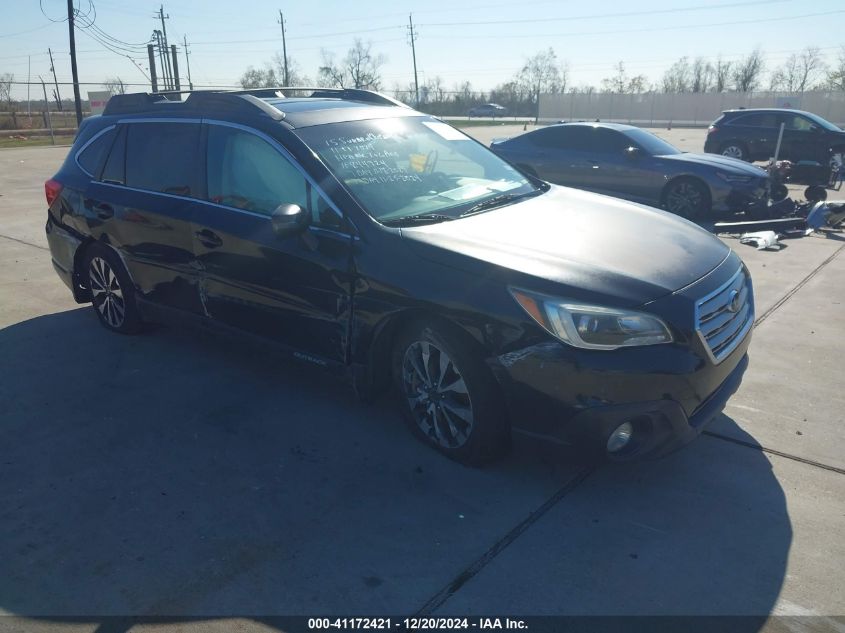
417,624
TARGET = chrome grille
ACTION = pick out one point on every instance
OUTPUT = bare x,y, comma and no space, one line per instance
724,317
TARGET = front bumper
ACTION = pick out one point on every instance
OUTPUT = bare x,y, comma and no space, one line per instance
731,198
668,392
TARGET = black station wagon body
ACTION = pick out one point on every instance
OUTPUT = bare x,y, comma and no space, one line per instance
494,303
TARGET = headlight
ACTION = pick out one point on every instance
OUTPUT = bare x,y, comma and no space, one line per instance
592,327
733,177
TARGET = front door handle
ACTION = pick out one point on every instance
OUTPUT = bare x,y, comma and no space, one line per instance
104,211
208,238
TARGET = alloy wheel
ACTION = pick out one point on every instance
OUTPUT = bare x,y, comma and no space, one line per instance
437,395
106,292
685,199
733,151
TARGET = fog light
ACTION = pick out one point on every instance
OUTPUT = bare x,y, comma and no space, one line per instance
620,438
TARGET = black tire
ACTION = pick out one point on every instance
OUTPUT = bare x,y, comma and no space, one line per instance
686,197
734,149
453,405
815,193
112,292
779,192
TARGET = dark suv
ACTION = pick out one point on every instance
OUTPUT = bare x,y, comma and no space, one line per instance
752,135
361,235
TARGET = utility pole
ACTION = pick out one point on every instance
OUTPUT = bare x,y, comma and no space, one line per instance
413,36
152,56
47,106
28,80
76,98
164,48
187,61
162,56
175,68
286,78
55,81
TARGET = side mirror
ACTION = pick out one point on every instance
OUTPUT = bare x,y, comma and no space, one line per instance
632,152
288,219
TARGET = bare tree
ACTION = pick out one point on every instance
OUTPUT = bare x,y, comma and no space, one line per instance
295,75
836,73
678,78
359,69
115,86
622,83
721,74
259,78
330,74
543,73
6,80
799,71
748,71
702,75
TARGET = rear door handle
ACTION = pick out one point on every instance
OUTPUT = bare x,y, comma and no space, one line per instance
209,238
104,211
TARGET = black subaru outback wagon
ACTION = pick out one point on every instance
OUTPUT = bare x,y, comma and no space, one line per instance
361,235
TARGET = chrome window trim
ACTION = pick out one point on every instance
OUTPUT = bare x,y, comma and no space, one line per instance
285,153
268,139
85,146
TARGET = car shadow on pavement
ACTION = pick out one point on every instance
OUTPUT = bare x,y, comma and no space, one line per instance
180,474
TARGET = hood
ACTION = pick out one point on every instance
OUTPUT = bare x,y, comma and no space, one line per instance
594,245
732,165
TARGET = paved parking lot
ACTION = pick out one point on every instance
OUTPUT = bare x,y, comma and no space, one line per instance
175,473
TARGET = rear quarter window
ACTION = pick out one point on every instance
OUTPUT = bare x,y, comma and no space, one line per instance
94,153
163,157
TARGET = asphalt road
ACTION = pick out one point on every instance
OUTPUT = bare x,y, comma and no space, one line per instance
180,474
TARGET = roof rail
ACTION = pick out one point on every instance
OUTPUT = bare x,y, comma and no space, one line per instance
247,99
352,94
220,99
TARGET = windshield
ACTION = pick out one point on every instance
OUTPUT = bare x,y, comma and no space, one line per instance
651,143
415,168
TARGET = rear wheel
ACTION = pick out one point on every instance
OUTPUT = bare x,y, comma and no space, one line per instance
112,293
448,396
687,197
734,149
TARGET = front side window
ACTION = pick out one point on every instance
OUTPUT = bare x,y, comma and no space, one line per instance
163,157
799,123
246,172
412,166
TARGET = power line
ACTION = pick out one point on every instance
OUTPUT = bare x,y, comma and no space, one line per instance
597,16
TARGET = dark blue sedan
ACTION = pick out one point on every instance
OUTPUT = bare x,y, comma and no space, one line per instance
627,162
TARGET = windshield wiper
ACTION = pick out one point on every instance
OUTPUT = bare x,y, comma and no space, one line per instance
420,218
498,201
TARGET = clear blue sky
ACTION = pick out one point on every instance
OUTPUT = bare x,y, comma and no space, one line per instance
482,41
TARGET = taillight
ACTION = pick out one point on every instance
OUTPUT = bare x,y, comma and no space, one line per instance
52,189
711,129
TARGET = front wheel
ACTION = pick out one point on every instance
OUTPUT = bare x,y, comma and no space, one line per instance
112,293
448,396
687,198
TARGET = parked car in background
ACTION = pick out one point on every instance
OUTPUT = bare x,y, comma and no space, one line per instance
628,162
488,109
362,236
752,134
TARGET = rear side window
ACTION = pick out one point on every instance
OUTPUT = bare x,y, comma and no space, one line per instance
561,137
163,157
92,157
246,172
758,119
